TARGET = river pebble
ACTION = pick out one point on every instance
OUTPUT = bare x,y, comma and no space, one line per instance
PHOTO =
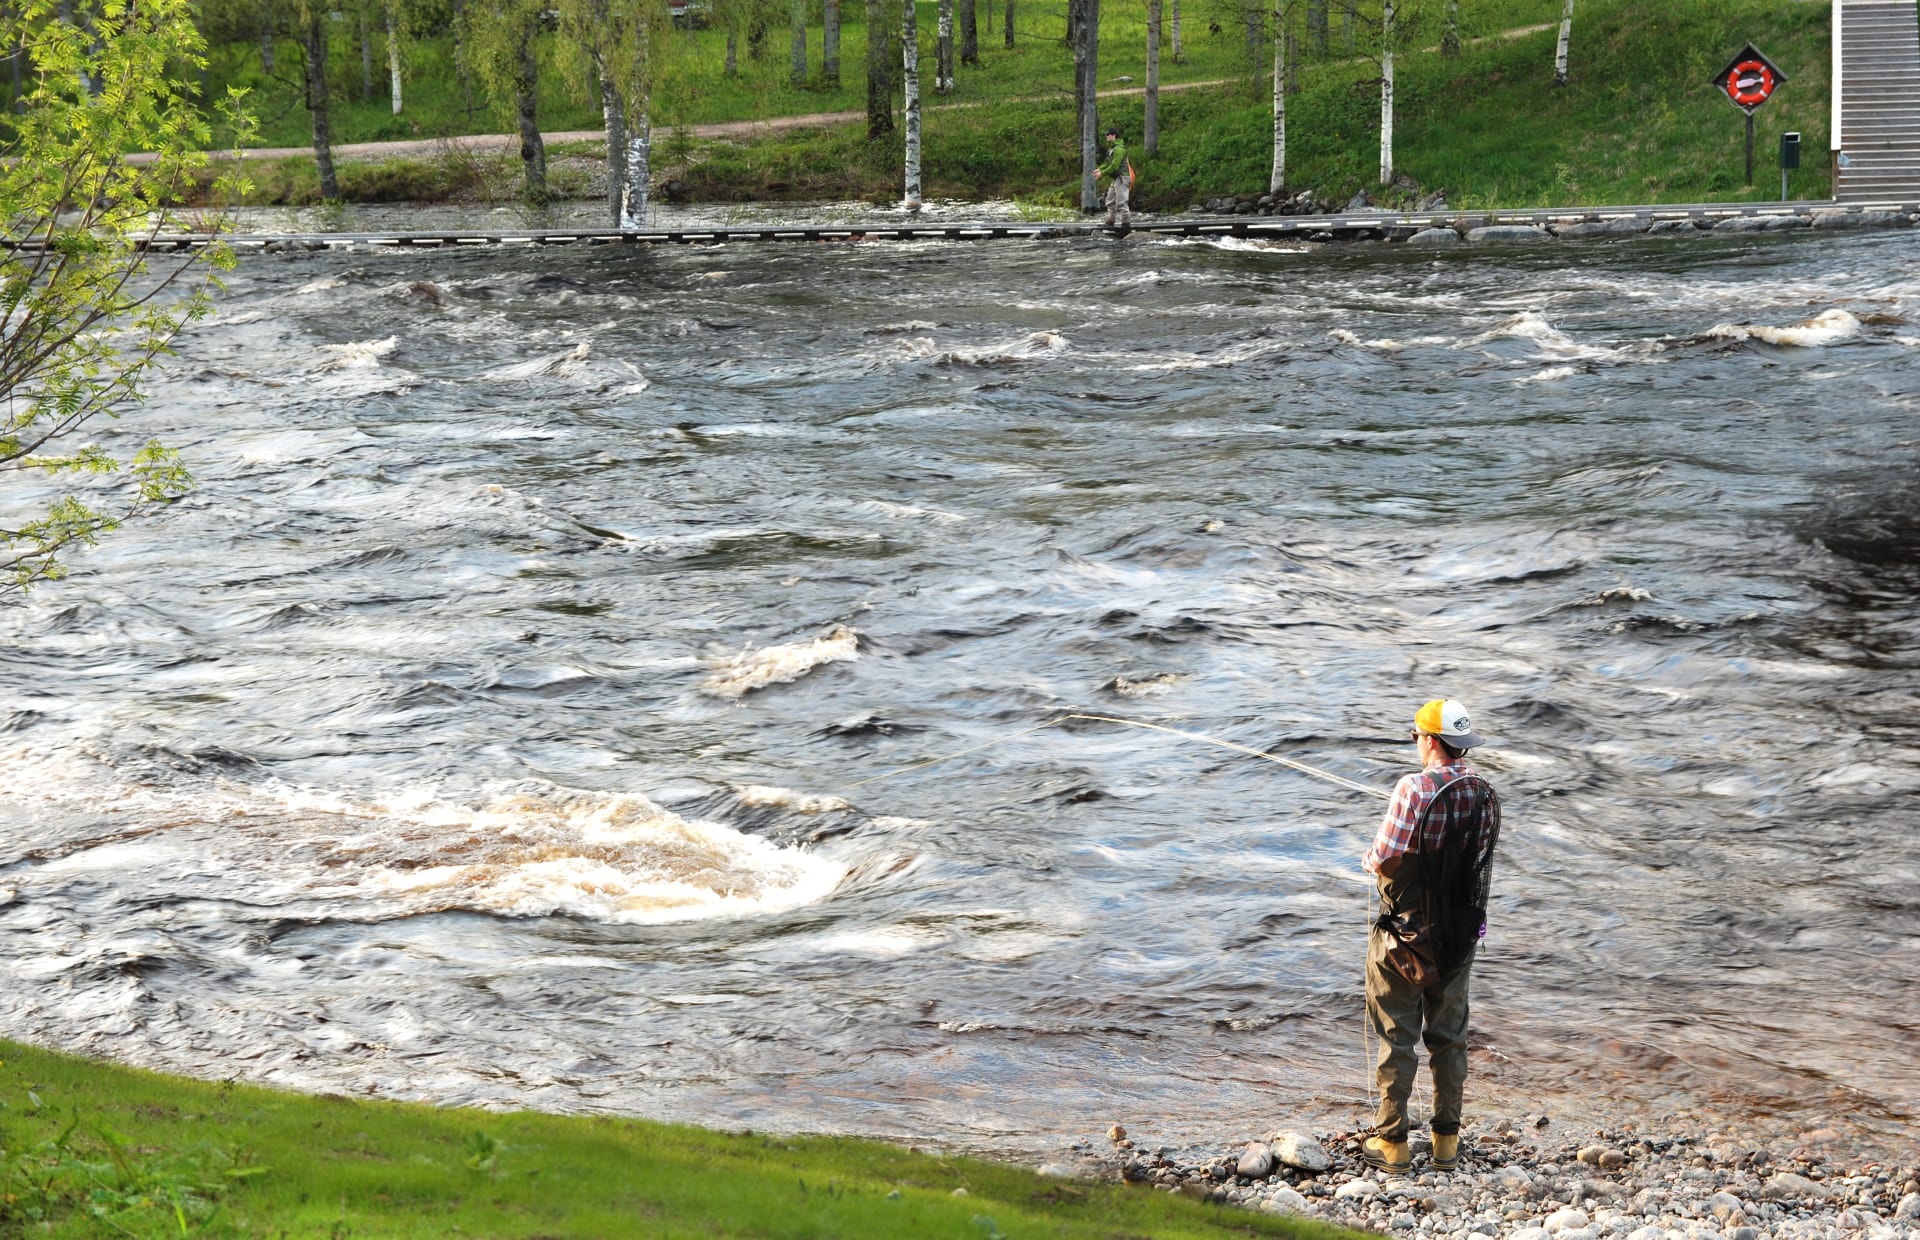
1517,1182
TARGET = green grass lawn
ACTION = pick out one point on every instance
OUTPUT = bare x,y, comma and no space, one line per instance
91,1149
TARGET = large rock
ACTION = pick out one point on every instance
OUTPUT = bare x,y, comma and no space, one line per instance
1297,1149
1621,226
1256,1163
1285,1201
1514,1182
1843,220
1505,234
1531,1233
1908,1211
1761,223
1786,1186
1356,1188
1567,1219
1722,1206
1434,238
1662,228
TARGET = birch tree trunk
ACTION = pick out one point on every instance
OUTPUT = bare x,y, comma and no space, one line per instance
266,47
613,110
393,57
1560,52
1278,180
1086,63
733,52
943,51
533,150
1317,27
639,184
1179,49
1349,15
1009,23
1150,135
879,72
797,61
462,59
1450,38
366,55
969,33
315,38
830,42
1386,93
910,77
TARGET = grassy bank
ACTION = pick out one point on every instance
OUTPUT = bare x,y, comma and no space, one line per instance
1639,121
92,1150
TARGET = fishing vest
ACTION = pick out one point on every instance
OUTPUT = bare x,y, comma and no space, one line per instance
1449,884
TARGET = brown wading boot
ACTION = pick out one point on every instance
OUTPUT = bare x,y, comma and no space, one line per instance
1389,1156
1446,1151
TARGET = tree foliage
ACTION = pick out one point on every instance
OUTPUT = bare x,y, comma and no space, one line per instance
86,311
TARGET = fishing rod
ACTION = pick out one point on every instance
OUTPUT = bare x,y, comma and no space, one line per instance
1292,764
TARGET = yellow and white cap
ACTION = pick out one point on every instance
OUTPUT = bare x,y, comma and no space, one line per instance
1448,720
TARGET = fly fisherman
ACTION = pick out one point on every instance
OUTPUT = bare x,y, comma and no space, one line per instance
1119,174
1433,859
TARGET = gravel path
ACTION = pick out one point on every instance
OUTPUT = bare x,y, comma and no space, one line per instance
1515,1180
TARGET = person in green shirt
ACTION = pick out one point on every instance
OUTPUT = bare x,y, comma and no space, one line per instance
1119,174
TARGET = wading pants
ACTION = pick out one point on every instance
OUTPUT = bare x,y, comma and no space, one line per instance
1403,1015
1118,192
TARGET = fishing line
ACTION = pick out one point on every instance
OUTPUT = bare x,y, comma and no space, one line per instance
1353,785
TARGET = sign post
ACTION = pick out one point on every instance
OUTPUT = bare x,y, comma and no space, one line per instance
1749,80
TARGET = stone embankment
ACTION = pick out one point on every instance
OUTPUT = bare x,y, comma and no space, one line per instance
1438,230
1515,1182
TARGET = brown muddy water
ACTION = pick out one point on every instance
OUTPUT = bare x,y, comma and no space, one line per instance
483,728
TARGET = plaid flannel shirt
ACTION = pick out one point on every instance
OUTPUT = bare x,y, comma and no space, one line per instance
1410,799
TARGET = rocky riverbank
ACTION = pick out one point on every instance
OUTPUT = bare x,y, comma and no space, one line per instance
1525,1180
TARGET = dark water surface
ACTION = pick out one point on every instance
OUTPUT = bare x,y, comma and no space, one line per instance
438,746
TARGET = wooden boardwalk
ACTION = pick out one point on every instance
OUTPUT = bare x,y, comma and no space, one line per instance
1346,226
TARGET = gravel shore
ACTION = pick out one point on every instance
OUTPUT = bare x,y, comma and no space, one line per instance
1516,1180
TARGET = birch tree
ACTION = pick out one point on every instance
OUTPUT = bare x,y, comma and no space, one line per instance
1386,92
1450,35
830,42
364,22
797,57
505,52
1560,50
396,31
943,50
1009,25
969,33
910,78
616,40
87,309
1277,181
312,33
879,71
1083,23
1179,49
1150,124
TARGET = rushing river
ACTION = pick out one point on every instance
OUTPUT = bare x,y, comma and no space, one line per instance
486,726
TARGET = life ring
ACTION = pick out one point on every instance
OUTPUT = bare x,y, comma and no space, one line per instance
1749,83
